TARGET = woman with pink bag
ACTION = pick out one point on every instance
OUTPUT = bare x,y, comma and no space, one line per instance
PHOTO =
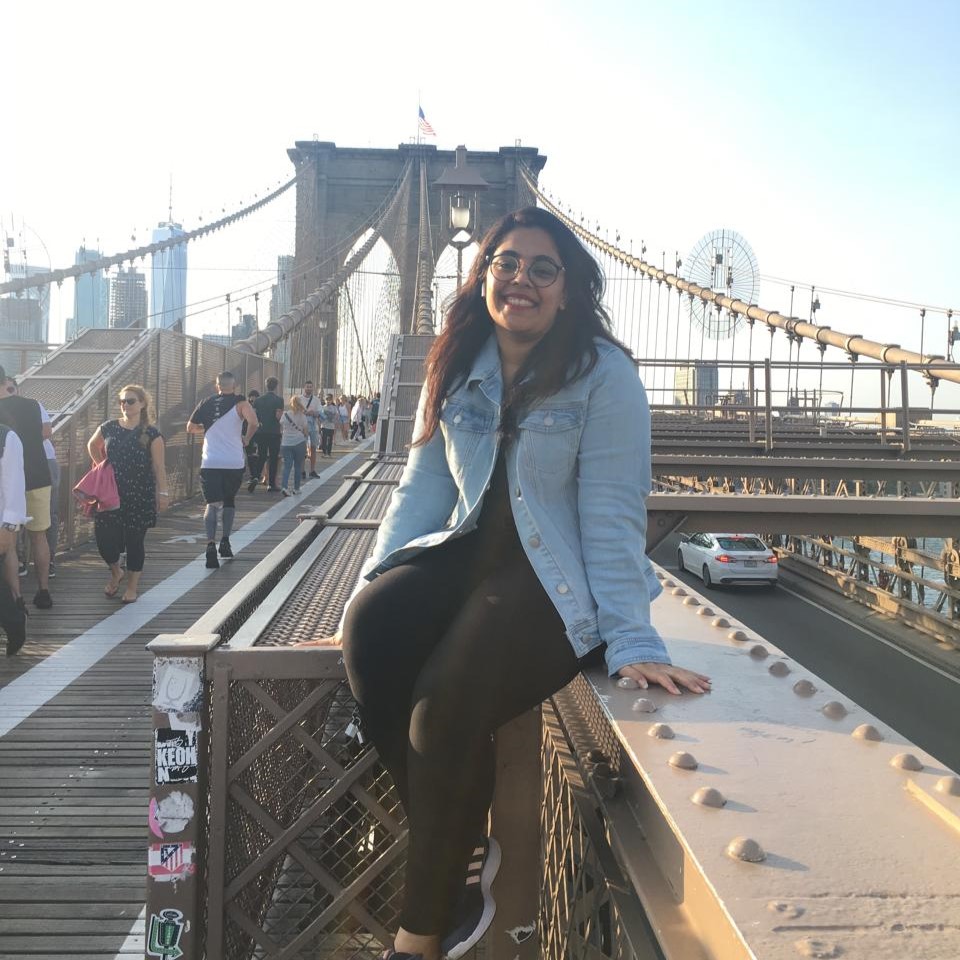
134,448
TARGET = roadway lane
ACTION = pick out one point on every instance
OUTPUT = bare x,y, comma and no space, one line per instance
913,698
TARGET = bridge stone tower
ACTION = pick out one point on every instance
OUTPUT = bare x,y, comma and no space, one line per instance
340,192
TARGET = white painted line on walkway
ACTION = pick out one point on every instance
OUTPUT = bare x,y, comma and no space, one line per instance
41,683
135,944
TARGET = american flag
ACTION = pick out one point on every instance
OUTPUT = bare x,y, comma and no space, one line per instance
424,125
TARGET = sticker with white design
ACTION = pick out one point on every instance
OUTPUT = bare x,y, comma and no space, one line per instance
170,814
175,756
171,861
178,684
164,935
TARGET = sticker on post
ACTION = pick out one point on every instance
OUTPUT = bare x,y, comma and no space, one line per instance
163,938
171,814
171,861
175,756
178,684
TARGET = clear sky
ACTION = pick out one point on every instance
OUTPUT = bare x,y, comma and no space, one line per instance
827,132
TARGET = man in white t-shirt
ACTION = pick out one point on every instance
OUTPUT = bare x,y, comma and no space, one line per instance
219,420
313,409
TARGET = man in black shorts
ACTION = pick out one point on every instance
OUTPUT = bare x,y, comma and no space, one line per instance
219,419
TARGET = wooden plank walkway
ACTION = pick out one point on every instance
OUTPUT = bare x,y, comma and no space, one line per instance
75,762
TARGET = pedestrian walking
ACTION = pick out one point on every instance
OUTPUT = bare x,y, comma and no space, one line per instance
510,557
312,410
251,446
135,449
13,515
328,425
268,409
374,411
219,420
293,444
23,415
344,407
357,428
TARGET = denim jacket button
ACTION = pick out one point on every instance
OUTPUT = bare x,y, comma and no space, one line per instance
534,542
548,421
562,588
458,418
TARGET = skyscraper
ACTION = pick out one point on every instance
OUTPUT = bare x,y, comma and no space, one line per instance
281,293
697,385
91,297
128,299
168,280
25,315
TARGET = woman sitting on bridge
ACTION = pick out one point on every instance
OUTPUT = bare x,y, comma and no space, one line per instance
511,556
134,447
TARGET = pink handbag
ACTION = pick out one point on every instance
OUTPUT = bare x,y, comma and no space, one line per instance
97,490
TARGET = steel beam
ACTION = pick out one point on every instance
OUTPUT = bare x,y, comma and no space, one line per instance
838,516
826,468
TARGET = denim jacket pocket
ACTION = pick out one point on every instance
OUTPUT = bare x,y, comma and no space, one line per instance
463,426
551,437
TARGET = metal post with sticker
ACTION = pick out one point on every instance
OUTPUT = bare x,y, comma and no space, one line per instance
177,791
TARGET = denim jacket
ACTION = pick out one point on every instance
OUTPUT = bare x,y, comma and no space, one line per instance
578,474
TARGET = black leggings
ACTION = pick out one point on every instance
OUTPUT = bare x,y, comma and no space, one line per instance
326,441
113,538
440,652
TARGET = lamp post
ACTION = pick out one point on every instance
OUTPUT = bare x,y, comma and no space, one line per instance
378,366
460,230
461,184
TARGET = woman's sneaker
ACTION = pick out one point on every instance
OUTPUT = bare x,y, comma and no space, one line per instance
476,908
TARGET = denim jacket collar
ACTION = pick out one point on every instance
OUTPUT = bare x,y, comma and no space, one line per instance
487,372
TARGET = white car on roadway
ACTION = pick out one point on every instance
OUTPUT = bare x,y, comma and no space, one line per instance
728,558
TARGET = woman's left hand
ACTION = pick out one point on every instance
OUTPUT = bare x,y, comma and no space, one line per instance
668,676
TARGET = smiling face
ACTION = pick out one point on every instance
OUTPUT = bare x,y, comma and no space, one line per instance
521,311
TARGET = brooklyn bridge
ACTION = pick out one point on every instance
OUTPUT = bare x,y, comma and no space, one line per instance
809,806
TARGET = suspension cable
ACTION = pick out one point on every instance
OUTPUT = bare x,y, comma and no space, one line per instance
854,345
104,263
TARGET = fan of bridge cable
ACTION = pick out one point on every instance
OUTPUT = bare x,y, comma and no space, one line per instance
725,263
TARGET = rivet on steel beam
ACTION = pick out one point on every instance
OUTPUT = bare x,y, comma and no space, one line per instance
683,760
779,668
660,575
948,785
789,911
759,652
709,797
804,688
867,731
643,705
743,848
627,683
669,583
720,622
834,710
906,761
811,947
662,731
736,635
691,602
705,612
679,592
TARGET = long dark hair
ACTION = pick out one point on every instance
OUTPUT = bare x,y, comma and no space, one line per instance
565,353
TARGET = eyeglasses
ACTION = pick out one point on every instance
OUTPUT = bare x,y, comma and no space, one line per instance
541,271
129,401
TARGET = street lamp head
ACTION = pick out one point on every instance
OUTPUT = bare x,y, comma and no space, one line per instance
459,212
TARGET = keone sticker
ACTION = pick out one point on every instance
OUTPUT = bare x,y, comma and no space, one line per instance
175,756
